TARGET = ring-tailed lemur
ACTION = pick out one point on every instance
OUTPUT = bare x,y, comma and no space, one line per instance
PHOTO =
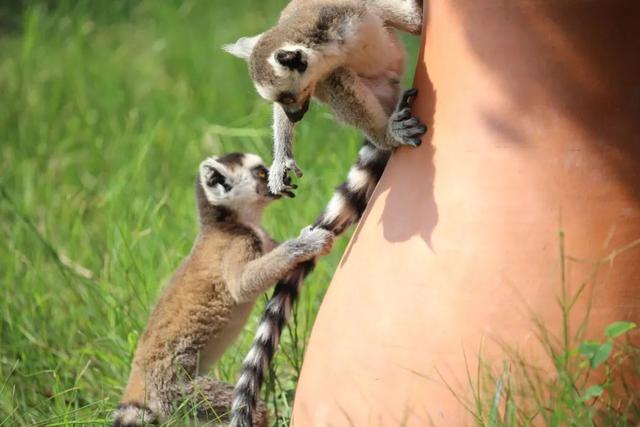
210,296
344,53
345,208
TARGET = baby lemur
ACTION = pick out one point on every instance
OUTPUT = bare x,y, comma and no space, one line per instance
210,296
344,53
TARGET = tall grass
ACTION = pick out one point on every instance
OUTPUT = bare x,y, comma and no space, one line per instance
579,382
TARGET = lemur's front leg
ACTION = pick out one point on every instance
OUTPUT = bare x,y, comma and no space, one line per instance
248,280
283,161
356,104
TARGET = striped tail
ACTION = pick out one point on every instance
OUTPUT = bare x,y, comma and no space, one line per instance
345,208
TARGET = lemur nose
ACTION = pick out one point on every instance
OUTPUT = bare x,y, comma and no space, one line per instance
287,98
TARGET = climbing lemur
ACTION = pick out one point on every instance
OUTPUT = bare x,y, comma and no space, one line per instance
345,208
346,54
210,296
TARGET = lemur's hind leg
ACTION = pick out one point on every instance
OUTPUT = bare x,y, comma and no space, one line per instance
212,400
405,15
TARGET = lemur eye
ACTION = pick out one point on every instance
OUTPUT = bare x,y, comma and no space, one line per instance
261,173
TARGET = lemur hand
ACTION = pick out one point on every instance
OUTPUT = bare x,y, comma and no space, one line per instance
312,242
404,128
279,178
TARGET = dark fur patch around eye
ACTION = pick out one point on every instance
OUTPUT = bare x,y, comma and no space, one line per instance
260,172
292,59
231,160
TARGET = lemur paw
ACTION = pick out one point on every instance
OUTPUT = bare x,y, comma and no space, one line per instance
313,242
279,178
404,128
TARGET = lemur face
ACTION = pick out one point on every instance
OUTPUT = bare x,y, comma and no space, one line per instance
289,79
281,72
236,180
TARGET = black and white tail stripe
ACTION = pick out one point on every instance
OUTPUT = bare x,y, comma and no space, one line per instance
345,208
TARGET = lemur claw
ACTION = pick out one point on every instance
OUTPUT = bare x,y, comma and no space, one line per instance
403,114
279,179
291,165
316,241
405,128
407,97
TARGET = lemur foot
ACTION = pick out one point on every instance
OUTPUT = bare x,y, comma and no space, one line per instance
312,242
404,128
279,178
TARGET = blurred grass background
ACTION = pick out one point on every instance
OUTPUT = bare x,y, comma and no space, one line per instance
106,109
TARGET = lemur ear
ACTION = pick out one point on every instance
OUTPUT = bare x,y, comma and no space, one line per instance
215,177
212,175
292,59
243,47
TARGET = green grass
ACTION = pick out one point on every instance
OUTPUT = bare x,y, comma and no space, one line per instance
107,109
577,382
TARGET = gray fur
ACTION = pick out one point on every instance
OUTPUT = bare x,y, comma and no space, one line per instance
355,62
282,150
315,26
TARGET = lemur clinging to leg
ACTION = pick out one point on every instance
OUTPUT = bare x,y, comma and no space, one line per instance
210,296
346,54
